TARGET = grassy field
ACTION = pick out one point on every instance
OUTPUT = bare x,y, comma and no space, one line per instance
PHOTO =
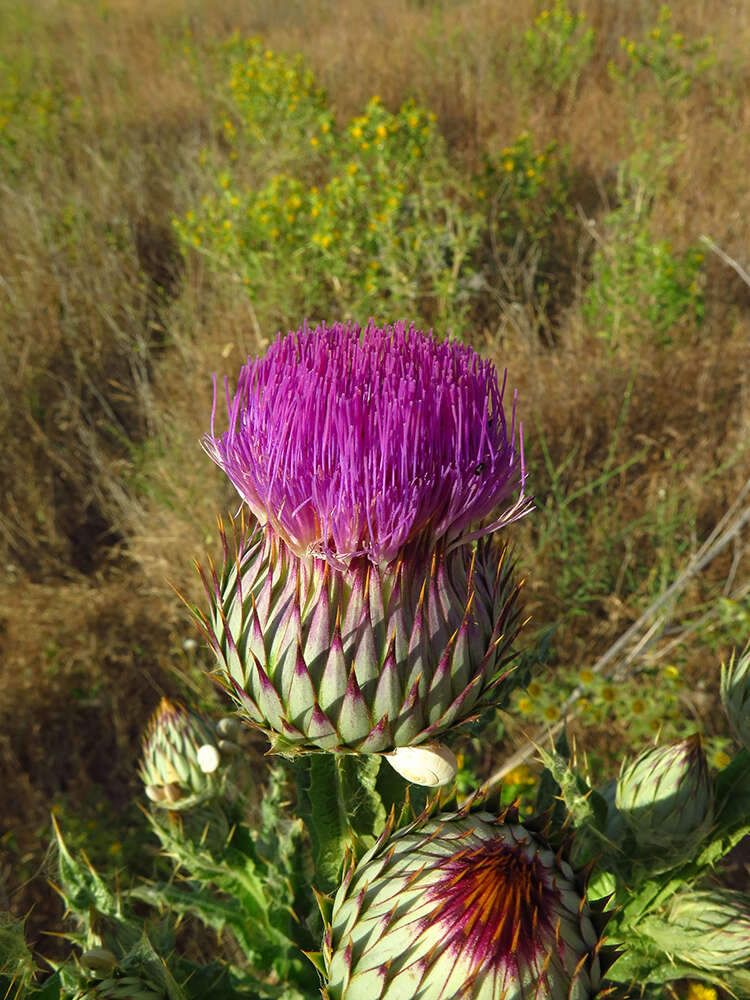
173,194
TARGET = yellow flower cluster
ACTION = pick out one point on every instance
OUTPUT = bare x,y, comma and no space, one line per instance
274,95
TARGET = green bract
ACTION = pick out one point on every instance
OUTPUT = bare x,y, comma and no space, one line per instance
666,797
180,758
365,658
735,695
475,907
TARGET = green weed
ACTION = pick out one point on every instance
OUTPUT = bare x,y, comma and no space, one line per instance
389,225
640,287
556,49
665,59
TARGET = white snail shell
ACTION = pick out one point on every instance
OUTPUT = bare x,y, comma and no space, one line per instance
431,764
98,960
208,758
228,727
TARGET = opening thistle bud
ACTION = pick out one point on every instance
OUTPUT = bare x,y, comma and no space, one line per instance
472,906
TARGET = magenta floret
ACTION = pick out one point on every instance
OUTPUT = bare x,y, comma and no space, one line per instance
353,441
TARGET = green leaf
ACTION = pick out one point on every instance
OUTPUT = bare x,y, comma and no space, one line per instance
212,912
636,967
82,887
143,958
17,969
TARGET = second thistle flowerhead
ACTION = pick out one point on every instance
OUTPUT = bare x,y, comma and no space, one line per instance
358,442
473,906
666,797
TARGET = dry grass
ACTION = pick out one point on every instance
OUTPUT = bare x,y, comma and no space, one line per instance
106,379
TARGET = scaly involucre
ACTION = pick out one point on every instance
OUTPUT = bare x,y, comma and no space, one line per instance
360,658
356,442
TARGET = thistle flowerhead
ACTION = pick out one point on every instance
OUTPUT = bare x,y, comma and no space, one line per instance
181,758
735,695
365,608
357,442
470,906
666,797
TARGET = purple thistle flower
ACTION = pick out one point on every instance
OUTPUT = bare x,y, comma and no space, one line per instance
358,442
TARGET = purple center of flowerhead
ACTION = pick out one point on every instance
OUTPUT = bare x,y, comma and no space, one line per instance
496,905
353,441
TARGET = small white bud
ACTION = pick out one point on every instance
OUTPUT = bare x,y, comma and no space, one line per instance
208,758
431,764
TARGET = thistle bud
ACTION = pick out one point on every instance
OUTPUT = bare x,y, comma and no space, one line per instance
666,797
735,695
181,758
472,906
711,928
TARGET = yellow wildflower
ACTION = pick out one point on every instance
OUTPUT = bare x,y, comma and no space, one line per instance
721,759
697,991
520,775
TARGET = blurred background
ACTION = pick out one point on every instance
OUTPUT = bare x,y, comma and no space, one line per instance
564,188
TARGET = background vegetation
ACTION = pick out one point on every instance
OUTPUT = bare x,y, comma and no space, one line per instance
181,180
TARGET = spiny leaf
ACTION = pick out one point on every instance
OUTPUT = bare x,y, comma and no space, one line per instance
81,886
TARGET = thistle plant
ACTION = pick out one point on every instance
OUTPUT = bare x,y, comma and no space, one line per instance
362,611
735,695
